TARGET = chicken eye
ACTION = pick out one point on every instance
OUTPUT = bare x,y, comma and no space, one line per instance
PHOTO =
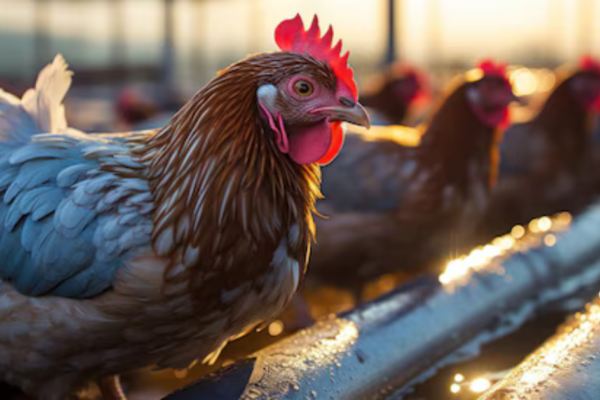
303,88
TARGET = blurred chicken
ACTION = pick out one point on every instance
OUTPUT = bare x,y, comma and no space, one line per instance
133,109
392,208
596,146
390,94
158,247
546,164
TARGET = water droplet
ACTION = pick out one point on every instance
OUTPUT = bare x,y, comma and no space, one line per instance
361,356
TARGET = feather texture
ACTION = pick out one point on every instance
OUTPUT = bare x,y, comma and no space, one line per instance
546,164
51,183
392,208
381,176
158,247
41,109
74,239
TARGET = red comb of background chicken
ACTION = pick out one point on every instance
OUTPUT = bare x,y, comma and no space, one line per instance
496,70
589,64
403,69
291,36
490,68
408,71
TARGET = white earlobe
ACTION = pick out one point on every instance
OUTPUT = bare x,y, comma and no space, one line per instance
266,94
473,95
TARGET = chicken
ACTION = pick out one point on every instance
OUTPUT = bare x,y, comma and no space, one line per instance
392,208
392,93
134,109
545,164
158,247
135,112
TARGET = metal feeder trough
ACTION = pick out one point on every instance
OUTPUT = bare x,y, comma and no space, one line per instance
384,347
565,367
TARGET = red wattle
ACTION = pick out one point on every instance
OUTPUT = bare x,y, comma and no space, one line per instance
337,140
506,119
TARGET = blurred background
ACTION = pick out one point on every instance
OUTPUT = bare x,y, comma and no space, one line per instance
167,49
137,61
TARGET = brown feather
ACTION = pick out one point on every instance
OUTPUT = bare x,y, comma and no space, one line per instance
560,175
566,124
247,193
456,145
438,211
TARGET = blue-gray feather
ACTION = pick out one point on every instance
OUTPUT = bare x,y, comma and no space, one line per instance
522,151
368,175
47,234
66,226
70,175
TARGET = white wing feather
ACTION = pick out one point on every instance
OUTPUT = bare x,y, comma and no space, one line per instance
44,102
41,109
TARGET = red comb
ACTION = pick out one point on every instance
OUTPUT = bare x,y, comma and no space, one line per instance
490,68
404,70
291,36
128,98
401,69
589,64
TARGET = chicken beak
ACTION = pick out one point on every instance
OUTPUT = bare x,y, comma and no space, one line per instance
354,114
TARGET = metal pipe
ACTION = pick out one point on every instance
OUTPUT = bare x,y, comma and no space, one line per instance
565,367
41,33
399,340
390,54
118,34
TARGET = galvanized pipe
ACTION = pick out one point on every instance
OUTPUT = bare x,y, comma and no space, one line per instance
565,367
390,344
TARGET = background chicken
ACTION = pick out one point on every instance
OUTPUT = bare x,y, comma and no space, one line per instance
390,94
133,109
393,208
158,247
545,164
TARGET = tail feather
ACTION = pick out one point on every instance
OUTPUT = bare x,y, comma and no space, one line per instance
41,109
